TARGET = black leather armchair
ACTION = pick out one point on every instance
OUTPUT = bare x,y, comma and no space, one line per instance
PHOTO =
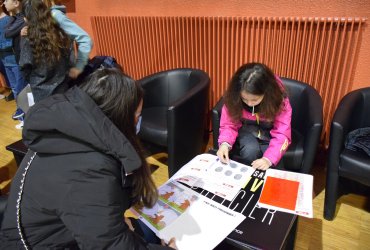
353,112
175,113
307,122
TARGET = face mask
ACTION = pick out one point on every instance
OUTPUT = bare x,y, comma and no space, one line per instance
138,124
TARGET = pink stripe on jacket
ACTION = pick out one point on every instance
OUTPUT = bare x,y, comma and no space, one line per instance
280,133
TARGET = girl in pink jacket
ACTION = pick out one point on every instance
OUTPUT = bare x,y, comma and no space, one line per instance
256,118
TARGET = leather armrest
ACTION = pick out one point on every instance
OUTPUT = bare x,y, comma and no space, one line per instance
343,115
313,127
186,124
192,93
314,115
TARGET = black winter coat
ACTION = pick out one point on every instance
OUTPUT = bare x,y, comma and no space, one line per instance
73,195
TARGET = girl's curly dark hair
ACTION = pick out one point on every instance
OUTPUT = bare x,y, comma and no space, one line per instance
256,79
47,40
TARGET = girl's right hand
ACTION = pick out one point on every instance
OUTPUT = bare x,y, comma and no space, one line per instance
74,72
223,153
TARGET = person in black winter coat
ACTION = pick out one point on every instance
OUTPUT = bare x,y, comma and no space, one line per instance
84,168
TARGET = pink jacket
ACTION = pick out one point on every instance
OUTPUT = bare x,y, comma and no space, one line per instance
280,133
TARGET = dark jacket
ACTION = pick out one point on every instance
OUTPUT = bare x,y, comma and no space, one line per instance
6,44
74,194
13,30
359,140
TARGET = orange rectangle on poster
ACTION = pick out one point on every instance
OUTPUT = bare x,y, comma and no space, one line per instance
280,193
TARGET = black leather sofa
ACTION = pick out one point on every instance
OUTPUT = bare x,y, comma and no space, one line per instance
353,112
174,115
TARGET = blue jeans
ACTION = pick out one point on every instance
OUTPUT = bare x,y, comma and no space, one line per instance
16,80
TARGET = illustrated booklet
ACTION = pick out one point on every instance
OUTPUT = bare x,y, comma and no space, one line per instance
193,219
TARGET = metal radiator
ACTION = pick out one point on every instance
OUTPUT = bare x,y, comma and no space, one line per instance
320,51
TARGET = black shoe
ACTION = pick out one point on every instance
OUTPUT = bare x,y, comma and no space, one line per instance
10,97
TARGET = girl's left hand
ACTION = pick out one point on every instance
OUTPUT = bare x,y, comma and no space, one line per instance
261,164
24,31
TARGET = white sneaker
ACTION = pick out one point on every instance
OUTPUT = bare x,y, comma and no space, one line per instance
20,125
2,96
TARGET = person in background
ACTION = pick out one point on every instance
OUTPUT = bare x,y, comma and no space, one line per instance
84,168
256,118
13,29
75,32
4,45
46,50
10,51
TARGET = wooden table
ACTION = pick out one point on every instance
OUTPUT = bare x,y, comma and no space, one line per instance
19,150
